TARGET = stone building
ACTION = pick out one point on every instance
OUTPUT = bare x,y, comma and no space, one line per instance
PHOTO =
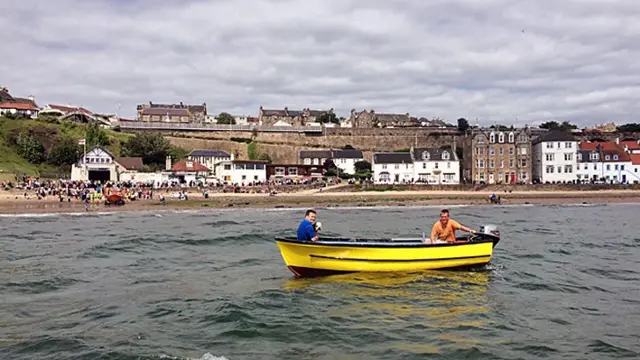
497,156
370,119
177,113
286,117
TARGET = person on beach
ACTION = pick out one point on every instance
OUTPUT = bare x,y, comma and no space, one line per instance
307,229
444,230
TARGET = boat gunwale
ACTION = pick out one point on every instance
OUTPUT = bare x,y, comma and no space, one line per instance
377,243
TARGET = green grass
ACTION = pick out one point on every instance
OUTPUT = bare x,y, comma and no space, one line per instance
11,163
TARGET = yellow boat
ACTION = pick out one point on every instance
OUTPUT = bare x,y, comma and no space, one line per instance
342,255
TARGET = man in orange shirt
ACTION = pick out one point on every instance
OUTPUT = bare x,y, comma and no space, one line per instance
444,230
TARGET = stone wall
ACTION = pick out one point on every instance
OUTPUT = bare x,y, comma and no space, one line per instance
487,188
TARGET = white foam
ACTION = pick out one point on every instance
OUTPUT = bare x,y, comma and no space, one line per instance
207,356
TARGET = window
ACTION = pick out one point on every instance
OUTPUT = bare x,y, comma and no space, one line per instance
491,164
501,137
397,166
238,167
523,150
523,176
492,138
511,137
594,156
501,164
568,169
579,157
511,150
480,163
568,157
384,166
244,177
307,161
293,171
255,177
501,151
480,139
549,169
615,167
523,162
492,151
622,167
568,145
549,145
449,165
511,162
436,166
424,165
279,171
445,155
607,157
523,138
227,166
559,169
615,157
481,176
550,157
259,166
608,167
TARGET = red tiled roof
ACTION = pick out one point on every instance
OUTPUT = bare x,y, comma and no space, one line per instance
18,106
607,148
632,145
635,159
609,145
189,166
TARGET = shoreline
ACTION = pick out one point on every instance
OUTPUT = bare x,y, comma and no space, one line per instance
9,205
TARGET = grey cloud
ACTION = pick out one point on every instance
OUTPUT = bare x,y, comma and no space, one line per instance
575,60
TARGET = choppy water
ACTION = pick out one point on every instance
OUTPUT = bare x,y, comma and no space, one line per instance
564,284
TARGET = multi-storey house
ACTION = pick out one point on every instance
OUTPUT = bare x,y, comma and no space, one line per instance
286,117
177,113
496,156
555,157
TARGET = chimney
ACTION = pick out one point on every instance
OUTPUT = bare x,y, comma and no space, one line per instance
168,163
32,98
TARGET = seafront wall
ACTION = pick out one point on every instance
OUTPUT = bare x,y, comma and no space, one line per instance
496,188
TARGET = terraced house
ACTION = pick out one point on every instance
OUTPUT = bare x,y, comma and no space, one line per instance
175,113
370,119
494,156
286,117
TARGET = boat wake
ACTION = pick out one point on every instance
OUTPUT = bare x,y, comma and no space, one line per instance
207,356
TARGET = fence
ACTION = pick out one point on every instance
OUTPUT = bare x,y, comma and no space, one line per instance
212,127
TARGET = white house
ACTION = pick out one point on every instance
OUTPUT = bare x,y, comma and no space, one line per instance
392,168
554,156
209,158
435,166
241,172
606,162
344,159
101,165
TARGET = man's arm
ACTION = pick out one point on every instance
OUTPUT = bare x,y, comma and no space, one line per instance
434,232
464,228
311,232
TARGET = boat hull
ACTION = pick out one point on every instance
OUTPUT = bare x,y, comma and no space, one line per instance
306,259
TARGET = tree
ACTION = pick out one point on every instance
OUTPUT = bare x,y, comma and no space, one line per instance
633,127
265,157
554,125
252,151
328,117
152,147
30,148
96,136
348,147
225,119
64,152
463,125
362,166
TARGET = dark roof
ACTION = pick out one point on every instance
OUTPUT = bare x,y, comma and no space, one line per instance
585,156
250,162
434,154
392,158
5,96
554,135
209,153
130,163
332,154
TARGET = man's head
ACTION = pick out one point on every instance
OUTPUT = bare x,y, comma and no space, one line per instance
310,215
444,216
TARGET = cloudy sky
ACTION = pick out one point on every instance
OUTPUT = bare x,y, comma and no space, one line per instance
494,60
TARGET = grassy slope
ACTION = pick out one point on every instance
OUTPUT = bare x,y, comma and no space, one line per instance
11,163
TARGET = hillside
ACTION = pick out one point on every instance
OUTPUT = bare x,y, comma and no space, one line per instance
37,138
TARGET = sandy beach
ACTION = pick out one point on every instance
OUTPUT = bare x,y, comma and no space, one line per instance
14,203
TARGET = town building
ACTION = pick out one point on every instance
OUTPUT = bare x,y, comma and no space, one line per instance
370,119
24,107
497,156
188,171
344,159
435,166
100,165
174,113
241,172
605,162
554,156
392,168
293,171
286,117
208,157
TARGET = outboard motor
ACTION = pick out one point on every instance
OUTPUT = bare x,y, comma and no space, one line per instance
489,232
